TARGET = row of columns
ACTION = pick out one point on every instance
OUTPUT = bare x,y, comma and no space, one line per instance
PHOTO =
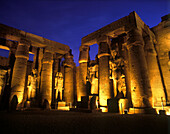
141,93
20,69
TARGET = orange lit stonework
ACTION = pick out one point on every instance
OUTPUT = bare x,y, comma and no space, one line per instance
130,73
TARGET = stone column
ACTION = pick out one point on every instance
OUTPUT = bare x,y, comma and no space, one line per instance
105,92
19,72
140,84
154,72
46,78
83,61
56,65
68,79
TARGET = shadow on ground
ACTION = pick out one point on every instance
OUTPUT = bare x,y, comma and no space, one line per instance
59,122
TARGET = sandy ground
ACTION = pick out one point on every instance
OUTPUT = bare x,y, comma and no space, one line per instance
59,122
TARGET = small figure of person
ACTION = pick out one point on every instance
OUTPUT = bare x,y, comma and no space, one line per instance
59,85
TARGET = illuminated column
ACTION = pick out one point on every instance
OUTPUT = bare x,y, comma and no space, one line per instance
154,73
46,77
105,92
140,84
56,65
19,72
83,60
68,79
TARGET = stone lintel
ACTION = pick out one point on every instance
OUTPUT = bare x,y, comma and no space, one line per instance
103,38
113,30
116,28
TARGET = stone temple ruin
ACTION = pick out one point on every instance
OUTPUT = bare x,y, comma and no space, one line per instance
130,73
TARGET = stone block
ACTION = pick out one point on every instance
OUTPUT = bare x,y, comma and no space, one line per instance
113,105
62,104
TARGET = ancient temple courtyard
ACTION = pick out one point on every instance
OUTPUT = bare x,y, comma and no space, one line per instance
59,122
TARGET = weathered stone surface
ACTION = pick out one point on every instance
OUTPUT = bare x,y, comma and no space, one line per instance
19,71
46,78
105,92
128,67
162,33
69,79
132,67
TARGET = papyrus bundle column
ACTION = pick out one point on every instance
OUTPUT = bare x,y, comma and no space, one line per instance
83,61
140,84
46,77
68,79
19,71
105,92
154,72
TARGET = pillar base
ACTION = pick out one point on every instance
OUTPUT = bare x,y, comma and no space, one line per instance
142,111
62,106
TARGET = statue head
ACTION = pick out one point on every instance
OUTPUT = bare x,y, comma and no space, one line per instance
34,72
59,74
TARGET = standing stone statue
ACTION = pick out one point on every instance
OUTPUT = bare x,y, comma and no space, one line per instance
122,85
32,83
59,85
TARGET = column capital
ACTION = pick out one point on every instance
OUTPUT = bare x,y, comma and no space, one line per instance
48,57
134,37
23,49
104,49
49,49
84,48
57,56
103,38
84,53
24,41
68,60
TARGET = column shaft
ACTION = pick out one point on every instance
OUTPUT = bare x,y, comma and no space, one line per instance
69,79
68,84
46,78
140,84
83,61
154,73
19,71
105,92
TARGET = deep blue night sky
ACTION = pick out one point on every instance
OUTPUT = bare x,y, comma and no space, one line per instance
67,21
